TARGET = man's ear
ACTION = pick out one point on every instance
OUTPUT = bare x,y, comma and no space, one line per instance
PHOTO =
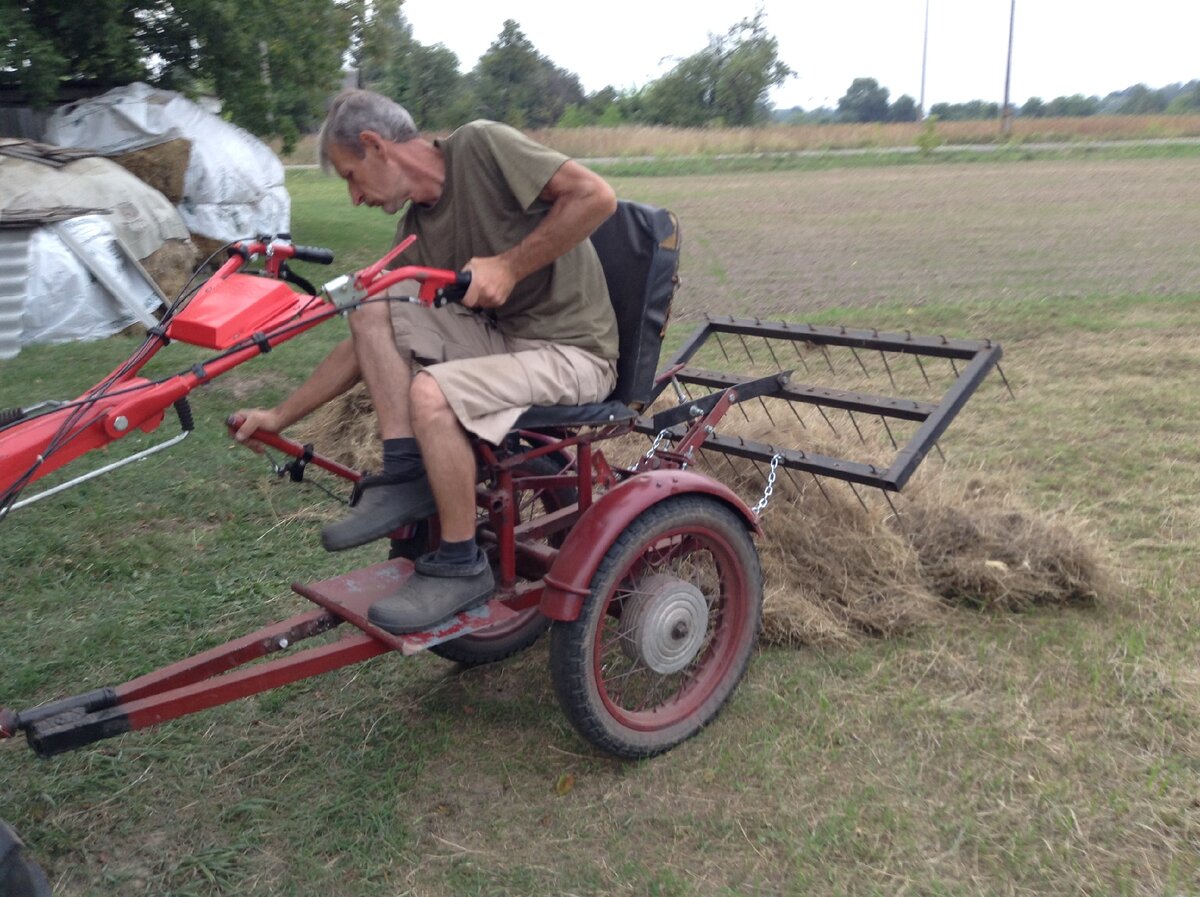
371,140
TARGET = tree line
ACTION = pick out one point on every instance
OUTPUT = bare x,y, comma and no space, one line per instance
274,69
867,101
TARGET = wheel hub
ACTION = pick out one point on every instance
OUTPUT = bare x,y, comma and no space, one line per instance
663,623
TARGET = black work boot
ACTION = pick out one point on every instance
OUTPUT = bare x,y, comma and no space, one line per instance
379,505
436,591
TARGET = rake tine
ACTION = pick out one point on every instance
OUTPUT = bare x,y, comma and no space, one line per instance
859,497
861,438
1000,371
749,355
687,392
817,480
939,451
736,472
854,352
887,367
721,346
895,445
827,420
917,358
954,367
792,406
895,513
795,485
825,352
774,357
768,411
799,355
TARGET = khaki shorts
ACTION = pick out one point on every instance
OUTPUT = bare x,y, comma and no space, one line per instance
490,379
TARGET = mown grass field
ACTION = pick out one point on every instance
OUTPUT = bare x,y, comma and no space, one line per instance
1053,752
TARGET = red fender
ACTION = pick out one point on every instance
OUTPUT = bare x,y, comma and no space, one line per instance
566,585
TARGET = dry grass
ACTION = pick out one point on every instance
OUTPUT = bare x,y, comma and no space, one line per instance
841,564
641,140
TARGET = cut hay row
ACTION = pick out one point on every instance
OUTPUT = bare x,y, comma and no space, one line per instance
842,563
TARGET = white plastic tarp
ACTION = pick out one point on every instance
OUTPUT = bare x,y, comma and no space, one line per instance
233,187
65,301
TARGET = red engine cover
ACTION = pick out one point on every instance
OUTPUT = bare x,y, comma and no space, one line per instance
231,309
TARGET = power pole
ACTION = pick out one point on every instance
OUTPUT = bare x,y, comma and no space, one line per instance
924,58
1006,112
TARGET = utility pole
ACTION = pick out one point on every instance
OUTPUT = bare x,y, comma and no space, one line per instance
924,58
1006,112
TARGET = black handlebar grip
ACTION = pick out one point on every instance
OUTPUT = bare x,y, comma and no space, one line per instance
314,254
184,410
455,291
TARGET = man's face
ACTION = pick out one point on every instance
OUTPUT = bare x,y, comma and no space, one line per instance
375,180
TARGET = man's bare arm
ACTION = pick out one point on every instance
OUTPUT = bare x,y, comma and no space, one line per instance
332,377
580,201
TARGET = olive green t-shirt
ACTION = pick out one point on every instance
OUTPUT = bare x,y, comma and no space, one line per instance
489,204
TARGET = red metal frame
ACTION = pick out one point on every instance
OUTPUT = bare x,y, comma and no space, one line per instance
531,573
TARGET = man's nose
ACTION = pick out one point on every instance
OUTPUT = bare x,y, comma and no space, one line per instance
356,196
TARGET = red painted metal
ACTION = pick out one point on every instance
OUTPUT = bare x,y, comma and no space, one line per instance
690,689
351,595
158,708
230,309
215,661
568,580
294,449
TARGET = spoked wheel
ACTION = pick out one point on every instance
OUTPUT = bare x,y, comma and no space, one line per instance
514,635
19,876
666,631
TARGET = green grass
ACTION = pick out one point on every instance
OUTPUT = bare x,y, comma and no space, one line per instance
817,160
1053,752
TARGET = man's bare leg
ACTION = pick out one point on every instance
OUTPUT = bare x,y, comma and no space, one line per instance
457,576
382,368
449,458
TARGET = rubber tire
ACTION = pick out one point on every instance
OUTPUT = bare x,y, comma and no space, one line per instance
19,876
521,632
574,665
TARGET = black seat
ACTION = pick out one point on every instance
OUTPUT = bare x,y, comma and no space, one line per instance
638,246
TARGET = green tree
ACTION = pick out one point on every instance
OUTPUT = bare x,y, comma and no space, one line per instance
727,82
1076,105
904,109
271,71
516,84
1187,103
1033,108
424,79
865,100
1141,100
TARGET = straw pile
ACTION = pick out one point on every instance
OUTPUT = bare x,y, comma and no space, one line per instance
162,166
839,566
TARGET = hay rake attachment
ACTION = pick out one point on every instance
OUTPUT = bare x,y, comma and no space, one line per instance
930,378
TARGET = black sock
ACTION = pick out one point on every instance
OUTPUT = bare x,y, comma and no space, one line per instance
402,458
457,552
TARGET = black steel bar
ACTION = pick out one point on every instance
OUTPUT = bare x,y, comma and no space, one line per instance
851,471
905,409
908,458
744,391
843,336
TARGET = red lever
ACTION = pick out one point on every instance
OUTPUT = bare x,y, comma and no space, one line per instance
364,277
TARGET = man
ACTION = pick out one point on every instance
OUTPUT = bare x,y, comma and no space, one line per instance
535,328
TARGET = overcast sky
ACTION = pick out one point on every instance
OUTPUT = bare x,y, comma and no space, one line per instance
1061,47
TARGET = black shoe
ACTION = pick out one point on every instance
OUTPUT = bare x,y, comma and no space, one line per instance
379,505
436,591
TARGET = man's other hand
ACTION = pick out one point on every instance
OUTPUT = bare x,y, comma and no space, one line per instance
492,282
256,419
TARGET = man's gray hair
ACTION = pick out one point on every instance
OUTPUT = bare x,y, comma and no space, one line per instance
354,111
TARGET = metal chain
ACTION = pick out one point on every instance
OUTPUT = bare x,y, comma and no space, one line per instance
658,440
769,491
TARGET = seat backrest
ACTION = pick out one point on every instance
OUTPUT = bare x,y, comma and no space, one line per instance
639,251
